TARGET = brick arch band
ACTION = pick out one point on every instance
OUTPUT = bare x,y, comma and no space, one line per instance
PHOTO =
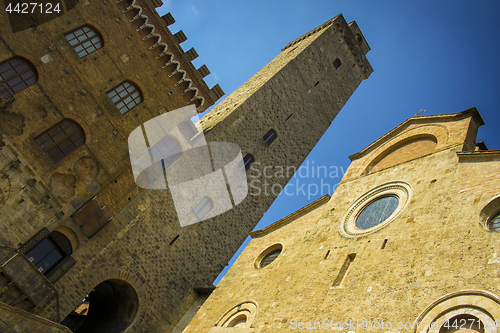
409,145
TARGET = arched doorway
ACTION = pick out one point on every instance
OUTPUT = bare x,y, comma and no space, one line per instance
111,308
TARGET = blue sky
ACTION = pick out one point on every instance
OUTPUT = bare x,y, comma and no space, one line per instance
441,56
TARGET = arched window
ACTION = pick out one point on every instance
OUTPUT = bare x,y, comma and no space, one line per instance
61,139
166,151
240,316
203,207
239,321
49,252
84,40
125,96
270,137
17,74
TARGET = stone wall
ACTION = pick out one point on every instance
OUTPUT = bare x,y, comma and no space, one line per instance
433,256
137,244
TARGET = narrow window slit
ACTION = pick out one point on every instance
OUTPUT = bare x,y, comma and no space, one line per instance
327,254
175,238
383,244
344,270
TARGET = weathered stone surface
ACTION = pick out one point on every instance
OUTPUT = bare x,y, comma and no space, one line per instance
437,250
11,123
39,113
63,184
137,238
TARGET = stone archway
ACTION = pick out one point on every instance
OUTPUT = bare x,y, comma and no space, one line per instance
112,306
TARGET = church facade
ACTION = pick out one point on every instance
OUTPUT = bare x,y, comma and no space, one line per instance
408,242
82,246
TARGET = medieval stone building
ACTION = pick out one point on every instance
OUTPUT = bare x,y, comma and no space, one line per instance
75,227
408,242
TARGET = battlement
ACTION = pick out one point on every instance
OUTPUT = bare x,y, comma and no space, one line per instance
167,50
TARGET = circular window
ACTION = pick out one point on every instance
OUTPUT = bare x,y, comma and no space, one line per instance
494,223
268,256
375,209
377,212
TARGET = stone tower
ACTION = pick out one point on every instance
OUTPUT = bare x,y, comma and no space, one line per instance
72,92
408,242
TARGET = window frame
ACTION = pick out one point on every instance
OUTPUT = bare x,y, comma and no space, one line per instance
61,140
266,253
369,204
29,68
89,39
265,261
123,98
401,190
62,265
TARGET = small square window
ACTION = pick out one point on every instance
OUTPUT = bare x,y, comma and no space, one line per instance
337,63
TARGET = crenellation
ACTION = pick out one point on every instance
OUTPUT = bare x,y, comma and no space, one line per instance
180,37
168,18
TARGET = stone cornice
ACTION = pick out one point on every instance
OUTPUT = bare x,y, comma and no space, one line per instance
479,154
291,217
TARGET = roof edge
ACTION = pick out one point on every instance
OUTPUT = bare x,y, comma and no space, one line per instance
285,220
